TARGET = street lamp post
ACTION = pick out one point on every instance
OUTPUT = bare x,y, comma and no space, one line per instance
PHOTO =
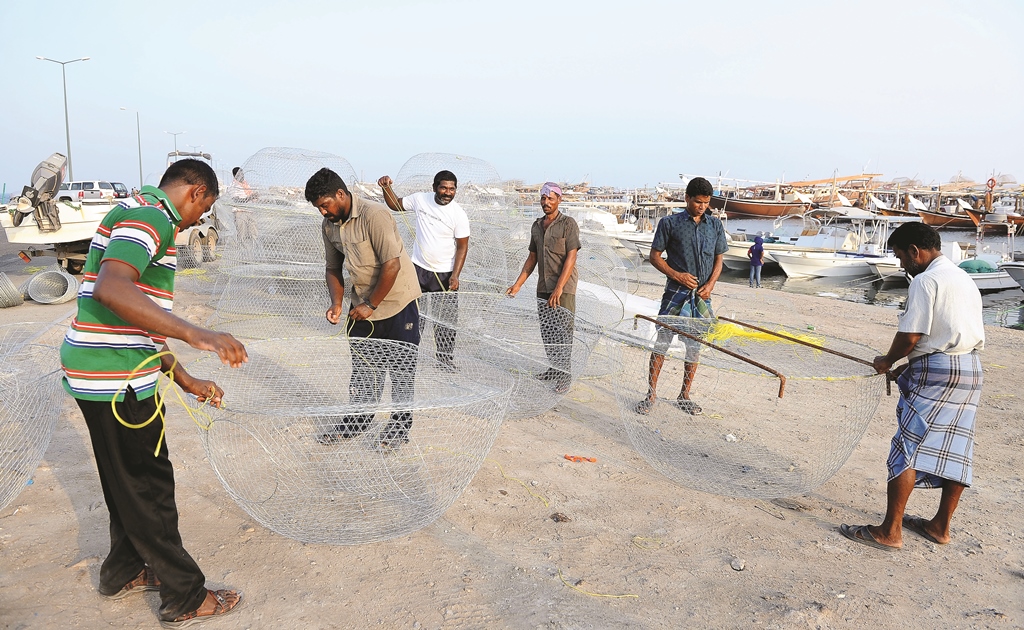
138,135
175,134
67,126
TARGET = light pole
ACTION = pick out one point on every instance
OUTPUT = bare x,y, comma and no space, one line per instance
138,135
67,126
175,134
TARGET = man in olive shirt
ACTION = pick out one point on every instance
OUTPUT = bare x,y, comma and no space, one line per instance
362,236
554,242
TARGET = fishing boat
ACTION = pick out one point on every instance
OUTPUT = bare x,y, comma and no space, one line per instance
838,264
755,208
811,235
1015,270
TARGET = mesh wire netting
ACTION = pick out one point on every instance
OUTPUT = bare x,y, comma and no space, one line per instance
746,441
10,295
30,400
52,285
299,444
543,349
417,174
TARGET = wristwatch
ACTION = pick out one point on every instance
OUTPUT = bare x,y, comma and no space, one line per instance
372,307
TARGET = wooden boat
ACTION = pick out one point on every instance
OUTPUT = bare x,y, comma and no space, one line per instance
738,208
978,218
941,219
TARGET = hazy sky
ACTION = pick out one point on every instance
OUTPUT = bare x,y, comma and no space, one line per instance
622,93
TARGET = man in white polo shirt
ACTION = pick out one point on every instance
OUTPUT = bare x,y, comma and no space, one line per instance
442,241
940,333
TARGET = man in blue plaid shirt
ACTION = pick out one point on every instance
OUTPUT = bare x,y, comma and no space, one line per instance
695,242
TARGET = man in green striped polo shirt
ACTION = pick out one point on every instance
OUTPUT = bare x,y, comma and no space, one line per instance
112,359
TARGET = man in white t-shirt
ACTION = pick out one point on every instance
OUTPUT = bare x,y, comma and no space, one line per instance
940,333
442,241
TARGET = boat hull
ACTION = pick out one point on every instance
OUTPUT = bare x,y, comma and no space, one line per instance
993,281
812,265
752,208
1015,270
938,219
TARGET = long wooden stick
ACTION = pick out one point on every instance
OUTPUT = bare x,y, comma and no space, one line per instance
782,378
888,384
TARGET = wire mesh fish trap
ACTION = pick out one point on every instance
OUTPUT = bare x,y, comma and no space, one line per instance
417,174
275,304
30,400
315,446
543,349
52,285
774,418
10,295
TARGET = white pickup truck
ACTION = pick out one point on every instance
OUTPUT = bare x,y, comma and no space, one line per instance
89,191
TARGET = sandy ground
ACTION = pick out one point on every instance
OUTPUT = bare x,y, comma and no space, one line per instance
641,550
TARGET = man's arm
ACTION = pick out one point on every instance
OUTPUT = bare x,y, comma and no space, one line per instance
385,282
528,267
336,291
567,267
902,345
461,249
704,292
115,289
202,389
393,202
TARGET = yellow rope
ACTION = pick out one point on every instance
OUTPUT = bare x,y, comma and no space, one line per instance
520,482
724,331
159,398
580,590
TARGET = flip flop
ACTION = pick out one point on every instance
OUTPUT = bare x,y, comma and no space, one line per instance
688,406
861,534
916,524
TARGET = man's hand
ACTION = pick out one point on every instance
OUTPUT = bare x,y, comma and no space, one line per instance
554,300
203,390
360,312
704,292
453,283
688,280
882,364
230,350
384,181
334,313
513,290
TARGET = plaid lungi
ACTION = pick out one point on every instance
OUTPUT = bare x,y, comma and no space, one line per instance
683,309
939,396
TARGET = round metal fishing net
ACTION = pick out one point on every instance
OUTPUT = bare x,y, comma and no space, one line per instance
347,441
52,285
543,349
774,418
30,400
417,174
10,295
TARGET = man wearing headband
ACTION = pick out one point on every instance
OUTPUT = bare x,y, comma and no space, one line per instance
554,242
695,242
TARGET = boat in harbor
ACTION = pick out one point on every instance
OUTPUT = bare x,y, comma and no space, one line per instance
1015,270
810,235
871,235
757,208
942,219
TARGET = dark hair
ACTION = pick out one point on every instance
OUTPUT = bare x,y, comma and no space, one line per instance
916,233
234,171
192,172
699,187
445,176
324,183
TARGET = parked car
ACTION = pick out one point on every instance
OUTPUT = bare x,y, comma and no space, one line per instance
120,190
89,191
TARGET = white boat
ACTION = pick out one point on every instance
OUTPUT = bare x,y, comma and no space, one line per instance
887,269
989,282
1015,270
827,264
812,237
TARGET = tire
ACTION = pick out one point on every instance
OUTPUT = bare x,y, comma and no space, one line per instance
210,246
189,256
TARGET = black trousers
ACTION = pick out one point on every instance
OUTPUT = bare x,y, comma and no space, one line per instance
556,330
370,367
443,306
139,492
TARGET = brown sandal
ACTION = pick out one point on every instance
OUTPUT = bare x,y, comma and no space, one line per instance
146,580
223,606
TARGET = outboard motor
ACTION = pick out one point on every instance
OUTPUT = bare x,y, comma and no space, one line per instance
37,198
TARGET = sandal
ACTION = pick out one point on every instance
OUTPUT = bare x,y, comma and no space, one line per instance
563,385
146,580
644,406
225,602
688,406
